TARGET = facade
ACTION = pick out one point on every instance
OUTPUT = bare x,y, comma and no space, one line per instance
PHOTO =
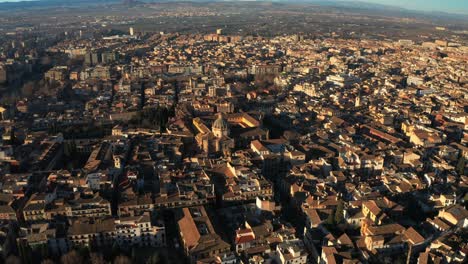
125,231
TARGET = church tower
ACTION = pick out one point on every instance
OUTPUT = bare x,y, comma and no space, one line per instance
357,102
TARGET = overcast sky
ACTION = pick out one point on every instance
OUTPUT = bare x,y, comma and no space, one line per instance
454,6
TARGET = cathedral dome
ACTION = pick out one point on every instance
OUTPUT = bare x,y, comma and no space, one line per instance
220,123
220,127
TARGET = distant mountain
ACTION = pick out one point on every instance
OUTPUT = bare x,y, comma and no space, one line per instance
350,4
131,2
358,4
380,7
32,4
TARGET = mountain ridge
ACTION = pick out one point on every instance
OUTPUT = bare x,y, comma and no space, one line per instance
31,4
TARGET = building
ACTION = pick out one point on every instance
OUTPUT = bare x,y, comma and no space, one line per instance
93,58
343,80
7,213
58,73
93,207
3,74
220,127
292,252
216,140
265,69
3,113
34,210
198,237
125,231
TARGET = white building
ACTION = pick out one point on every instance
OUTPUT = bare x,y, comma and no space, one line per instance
125,231
292,252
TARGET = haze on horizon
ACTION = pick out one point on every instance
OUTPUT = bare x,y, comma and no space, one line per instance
451,6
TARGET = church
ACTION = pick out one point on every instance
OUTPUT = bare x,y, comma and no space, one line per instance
217,139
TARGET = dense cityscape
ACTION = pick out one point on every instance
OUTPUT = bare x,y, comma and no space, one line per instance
232,133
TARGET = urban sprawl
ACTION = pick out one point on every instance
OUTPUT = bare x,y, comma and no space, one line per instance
221,148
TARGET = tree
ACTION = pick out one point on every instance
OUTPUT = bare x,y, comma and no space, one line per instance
339,213
28,89
152,118
264,81
115,247
10,245
154,259
44,251
461,166
413,209
135,256
84,252
330,219
13,260
122,260
71,257
97,258
25,252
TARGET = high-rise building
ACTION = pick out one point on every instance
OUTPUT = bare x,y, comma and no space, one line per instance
131,31
3,74
93,58
96,58
88,59
108,57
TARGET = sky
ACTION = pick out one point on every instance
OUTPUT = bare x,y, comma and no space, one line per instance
452,6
